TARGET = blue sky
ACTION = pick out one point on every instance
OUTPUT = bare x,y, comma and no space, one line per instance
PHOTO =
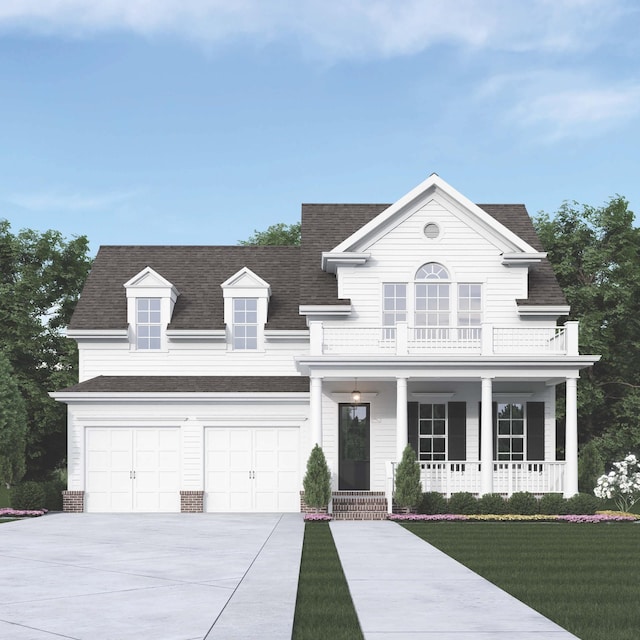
198,121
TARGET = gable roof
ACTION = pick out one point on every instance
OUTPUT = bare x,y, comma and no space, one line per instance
294,273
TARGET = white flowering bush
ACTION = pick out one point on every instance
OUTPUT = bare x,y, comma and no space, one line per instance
621,484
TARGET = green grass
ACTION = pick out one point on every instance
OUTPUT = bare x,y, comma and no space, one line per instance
323,607
585,577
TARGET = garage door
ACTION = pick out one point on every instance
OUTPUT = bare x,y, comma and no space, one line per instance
132,470
252,469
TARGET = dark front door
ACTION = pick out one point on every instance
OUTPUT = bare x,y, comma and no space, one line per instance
354,447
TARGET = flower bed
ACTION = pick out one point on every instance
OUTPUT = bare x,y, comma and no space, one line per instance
7,512
317,517
600,516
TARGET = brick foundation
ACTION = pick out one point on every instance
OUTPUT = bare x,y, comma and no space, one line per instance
73,501
306,509
191,501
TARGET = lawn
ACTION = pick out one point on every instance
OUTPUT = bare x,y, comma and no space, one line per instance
582,576
323,608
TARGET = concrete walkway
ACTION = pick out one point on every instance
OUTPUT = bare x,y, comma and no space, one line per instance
405,589
149,576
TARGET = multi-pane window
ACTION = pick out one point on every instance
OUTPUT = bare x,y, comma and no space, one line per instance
148,325
394,308
432,432
245,324
510,431
470,310
432,301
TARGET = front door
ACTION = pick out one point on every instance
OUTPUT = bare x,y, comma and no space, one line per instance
354,447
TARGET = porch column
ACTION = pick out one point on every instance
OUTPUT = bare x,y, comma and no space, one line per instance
402,437
571,439
486,440
315,411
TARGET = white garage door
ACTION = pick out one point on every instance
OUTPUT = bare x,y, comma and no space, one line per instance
132,470
252,469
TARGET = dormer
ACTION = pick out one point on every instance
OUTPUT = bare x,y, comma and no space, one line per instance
246,301
150,302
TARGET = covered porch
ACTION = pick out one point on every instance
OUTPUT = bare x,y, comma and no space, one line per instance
516,395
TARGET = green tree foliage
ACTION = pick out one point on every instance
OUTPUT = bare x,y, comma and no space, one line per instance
317,480
595,253
408,489
13,426
41,275
590,467
276,234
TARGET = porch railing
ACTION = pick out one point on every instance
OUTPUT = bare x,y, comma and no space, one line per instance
401,339
508,477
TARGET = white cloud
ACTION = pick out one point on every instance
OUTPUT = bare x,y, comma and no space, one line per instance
557,105
70,202
332,29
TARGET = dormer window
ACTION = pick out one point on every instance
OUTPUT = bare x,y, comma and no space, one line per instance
148,323
150,302
245,324
246,299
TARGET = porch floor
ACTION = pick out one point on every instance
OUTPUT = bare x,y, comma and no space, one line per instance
403,588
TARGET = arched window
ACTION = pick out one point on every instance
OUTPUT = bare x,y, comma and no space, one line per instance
433,309
432,271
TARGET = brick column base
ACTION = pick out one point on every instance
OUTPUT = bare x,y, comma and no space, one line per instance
73,501
191,501
304,508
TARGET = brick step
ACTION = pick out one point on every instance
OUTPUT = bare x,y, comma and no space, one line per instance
359,515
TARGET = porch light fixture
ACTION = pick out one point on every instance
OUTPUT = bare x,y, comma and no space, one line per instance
355,394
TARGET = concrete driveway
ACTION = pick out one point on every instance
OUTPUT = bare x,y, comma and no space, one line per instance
149,576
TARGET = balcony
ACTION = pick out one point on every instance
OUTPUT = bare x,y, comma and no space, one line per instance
484,340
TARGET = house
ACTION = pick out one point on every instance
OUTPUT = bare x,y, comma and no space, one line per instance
207,373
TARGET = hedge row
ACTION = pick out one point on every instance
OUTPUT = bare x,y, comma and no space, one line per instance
32,495
521,503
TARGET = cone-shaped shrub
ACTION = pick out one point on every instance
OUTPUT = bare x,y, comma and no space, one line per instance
408,492
317,480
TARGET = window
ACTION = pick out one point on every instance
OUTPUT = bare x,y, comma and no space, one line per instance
510,431
432,432
469,310
245,324
394,308
432,309
148,325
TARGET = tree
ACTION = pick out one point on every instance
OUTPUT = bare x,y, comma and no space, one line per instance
276,234
595,253
13,426
317,480
408,488
41,275
590,467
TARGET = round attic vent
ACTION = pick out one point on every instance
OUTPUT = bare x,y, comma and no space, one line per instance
431,230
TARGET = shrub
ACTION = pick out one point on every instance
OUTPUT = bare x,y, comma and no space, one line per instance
583,504
463,503
317,480
492,503
28,495
408,491
590,467
523,503
433,502
53,494
553,504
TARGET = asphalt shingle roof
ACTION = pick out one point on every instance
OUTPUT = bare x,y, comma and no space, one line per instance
294,273
192,384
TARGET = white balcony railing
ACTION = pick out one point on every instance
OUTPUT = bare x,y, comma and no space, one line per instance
486,339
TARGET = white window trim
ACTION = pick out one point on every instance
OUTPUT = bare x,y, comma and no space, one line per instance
150,284
246,284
